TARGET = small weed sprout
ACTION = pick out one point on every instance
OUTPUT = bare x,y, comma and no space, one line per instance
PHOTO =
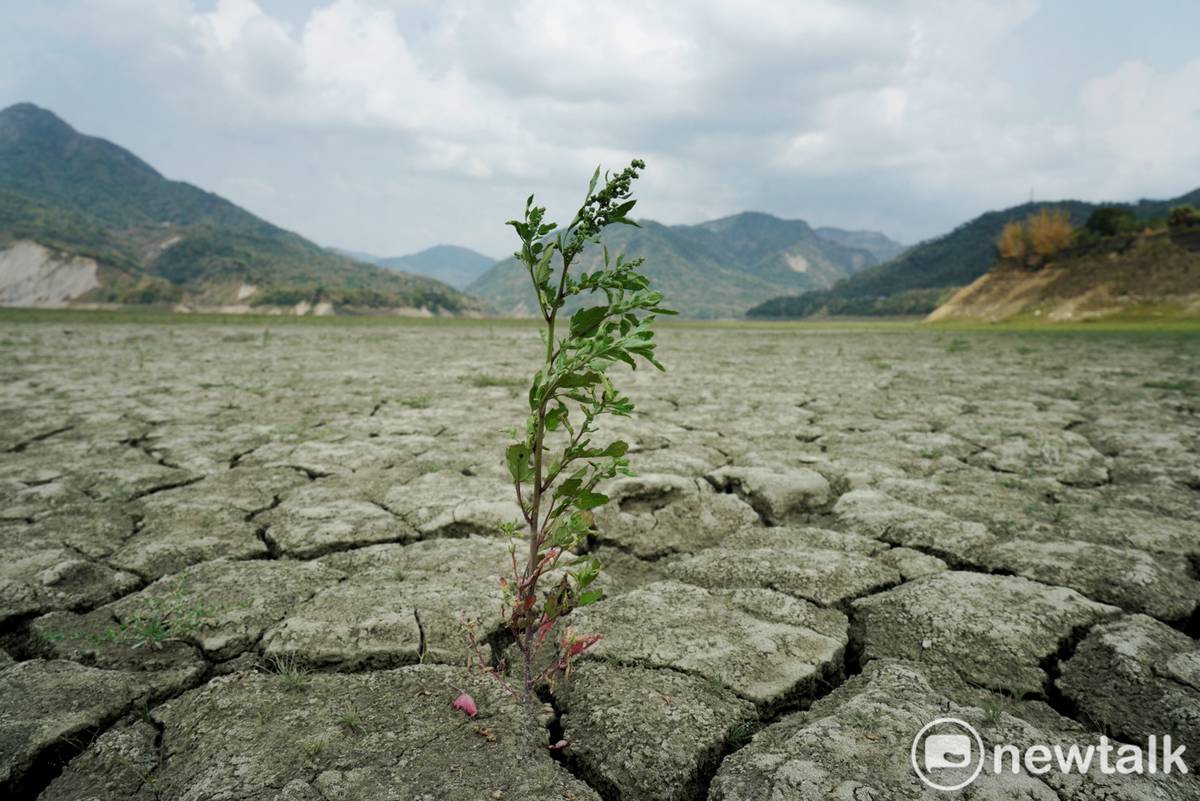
351,722
292,672
159,620
484,381
313,747
957,346
994,708
741,734
554,465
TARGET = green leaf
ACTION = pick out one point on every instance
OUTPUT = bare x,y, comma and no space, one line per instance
568,488
590,500
616,448
555,417
622,210
588,597
517,459
585,321
586,378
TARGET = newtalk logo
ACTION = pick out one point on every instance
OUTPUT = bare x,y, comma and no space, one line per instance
948,754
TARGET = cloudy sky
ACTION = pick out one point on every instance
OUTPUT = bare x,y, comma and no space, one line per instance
391,125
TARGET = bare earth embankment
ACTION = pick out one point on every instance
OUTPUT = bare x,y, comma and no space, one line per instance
234,562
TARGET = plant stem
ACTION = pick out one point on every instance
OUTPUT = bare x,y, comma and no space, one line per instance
535,533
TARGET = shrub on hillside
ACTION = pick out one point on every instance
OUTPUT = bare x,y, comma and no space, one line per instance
1183,217
1012,243
146,290
1112,221
1041,235
1049,231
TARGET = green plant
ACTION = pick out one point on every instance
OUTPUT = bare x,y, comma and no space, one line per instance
1183,216
957,345
877,361
484,380
1112,221
994,708
743,733
291,671
351,722
416,402
859,719
313,747
159,619
554,465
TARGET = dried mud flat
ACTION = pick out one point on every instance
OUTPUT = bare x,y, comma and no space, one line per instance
234,565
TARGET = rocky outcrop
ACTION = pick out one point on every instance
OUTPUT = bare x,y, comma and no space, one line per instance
32,275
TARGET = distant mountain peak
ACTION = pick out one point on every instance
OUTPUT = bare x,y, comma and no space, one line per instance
718,268
83,195
35,143
27,110
451,264
29,120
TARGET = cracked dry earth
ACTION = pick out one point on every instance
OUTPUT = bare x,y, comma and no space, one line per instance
233,565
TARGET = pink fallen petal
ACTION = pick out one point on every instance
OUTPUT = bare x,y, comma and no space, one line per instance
467,704
560,745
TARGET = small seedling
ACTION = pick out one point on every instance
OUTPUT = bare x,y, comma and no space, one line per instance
877,361
158,620
314,746
484,380
554,464
993,709
292,672
859,719
352,723
743,733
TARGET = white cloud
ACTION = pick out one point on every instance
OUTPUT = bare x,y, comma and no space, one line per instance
1143,124
848,112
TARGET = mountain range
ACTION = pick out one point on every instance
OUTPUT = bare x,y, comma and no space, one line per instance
74,202
82,220
716,269
916,281
451,264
